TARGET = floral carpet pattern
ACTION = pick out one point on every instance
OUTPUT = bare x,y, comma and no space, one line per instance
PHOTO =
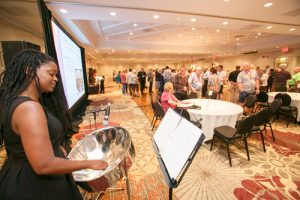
274,174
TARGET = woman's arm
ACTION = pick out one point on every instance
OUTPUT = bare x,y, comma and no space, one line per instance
29,121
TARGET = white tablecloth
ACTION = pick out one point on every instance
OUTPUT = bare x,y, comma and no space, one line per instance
295,100
214,113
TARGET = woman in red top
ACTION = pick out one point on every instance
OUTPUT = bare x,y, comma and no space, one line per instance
167,98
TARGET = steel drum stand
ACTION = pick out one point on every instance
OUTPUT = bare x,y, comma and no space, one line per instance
125,178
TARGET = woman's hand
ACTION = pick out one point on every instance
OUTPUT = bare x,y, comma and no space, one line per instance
97,164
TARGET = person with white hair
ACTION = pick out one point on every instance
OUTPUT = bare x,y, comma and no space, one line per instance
248,83
195,83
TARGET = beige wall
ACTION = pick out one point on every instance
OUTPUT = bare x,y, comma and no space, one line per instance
257,59
10,32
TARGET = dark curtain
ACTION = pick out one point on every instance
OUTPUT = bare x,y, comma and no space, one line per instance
55,102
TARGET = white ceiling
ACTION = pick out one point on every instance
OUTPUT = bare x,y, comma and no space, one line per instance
172,35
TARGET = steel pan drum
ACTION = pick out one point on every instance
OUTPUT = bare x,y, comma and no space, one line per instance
110,144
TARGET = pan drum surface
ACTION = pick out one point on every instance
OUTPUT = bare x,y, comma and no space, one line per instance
110,144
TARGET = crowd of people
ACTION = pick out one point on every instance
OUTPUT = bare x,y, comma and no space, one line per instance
196,82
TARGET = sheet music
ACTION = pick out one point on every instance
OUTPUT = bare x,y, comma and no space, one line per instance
166,129
178,145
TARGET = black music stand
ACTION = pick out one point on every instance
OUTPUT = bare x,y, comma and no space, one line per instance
171,182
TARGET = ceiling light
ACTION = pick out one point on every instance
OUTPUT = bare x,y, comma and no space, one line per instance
237,39
130,33
225,23
267,5
155,16
193,28
112,50
193,20
292,29
269,27
179,35
258,33
106,38
256,36
63,10
135,25
178,18
113,13
218,30
226,0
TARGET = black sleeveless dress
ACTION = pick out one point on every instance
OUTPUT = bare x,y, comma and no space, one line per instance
17,178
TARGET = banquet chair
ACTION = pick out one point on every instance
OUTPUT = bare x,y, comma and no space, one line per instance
229,135
281,88
153,109
274,107
249,104
262,118
213,95
286,108
159,113
262,100
184,113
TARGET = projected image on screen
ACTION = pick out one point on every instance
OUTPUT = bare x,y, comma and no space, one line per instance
70,65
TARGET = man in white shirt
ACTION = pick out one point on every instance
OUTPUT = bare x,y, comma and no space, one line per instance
222,77
195,83
248,83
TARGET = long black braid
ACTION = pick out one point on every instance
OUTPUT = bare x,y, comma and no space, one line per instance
18,75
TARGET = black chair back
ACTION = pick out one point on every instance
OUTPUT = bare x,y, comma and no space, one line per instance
278,96
285,99
263,116
262,97
213,95
245,125
250,101
159,110
184,113
275,106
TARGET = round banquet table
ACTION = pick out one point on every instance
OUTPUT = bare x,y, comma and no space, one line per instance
295,100
214,113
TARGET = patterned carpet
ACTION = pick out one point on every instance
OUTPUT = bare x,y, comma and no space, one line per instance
271,175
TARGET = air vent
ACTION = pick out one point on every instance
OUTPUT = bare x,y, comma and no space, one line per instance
147,30
251,52
293,13
250,27
238,36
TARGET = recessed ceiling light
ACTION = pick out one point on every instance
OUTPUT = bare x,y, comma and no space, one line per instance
256,36
178,18
112,50
130,33
267,5
193,20
179,35
258,33
63,10
292,29
193,28
225,23
155,16
237,39
135,25
113,13
226,0
218,30
269,27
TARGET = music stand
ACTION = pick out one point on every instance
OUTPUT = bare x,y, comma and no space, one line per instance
174,180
